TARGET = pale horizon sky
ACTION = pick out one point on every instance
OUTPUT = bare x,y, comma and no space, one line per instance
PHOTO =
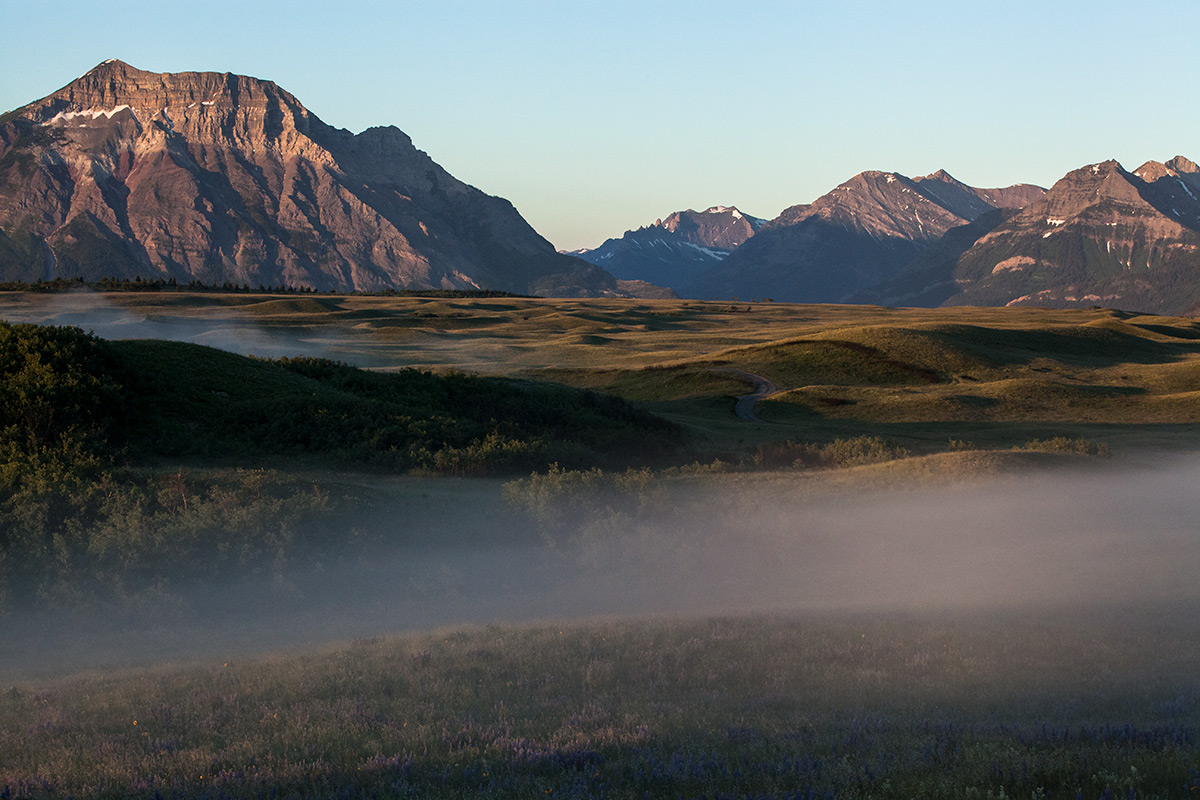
597,117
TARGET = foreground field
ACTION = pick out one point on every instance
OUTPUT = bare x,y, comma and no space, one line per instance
1067,705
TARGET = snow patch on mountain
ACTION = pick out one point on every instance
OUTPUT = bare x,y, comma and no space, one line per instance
88,113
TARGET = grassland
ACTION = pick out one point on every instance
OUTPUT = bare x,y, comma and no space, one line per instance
779,707
988,377
936,407
859,385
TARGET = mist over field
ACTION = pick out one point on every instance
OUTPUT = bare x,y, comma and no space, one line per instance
215,327
1099,543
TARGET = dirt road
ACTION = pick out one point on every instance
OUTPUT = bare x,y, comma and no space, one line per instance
763,387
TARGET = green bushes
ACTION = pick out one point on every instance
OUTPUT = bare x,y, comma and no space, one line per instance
564,499
839,453
547,496
62,389
399,421
119,535
57,394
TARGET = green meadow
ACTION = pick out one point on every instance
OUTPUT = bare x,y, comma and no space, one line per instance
782,611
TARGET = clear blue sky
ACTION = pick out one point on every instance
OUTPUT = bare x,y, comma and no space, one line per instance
595,117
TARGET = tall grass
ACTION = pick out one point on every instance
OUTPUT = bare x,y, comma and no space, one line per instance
769,708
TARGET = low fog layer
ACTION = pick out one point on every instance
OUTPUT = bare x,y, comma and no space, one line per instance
1102,543
92,312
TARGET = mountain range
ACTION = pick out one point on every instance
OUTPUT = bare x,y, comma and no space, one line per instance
860,234
221,178
1100,236
227,179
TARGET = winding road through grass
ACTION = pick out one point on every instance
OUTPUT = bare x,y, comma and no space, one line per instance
763,388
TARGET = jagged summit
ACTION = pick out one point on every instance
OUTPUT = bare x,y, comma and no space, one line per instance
1181,164
219,177
1178,167
670,252
1100,236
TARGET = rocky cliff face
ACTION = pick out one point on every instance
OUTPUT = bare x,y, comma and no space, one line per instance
226,178
1100,236
859,235
673,251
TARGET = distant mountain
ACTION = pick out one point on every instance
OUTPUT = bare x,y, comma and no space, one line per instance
1100,236
225,178
673,251
971,203
857,236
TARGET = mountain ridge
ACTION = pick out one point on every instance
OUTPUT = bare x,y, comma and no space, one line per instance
1100,235
859,234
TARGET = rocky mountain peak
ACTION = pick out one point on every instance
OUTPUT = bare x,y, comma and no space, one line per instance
1153,170
1160,199
1183,177
220,177
884,204
947,191
1100,235
721,227
1185,165
209,107
1105,181
672,251
942,176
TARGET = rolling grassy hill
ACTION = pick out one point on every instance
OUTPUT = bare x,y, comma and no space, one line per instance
117,458
1103,373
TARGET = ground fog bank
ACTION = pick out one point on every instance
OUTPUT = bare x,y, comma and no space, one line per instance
1102,542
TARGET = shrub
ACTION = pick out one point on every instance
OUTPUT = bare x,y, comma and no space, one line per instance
1064,444
837,454
117,534
577,506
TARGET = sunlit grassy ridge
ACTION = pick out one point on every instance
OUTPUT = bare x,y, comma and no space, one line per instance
1130,369
855,707
930,382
